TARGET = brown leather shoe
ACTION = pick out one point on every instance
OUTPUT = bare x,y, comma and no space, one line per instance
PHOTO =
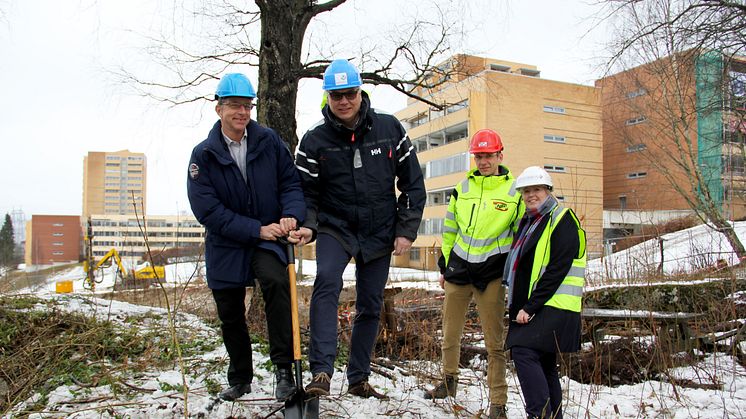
319,385
446,388
365,390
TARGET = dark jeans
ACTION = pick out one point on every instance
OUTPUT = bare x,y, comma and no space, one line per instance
272,276
370,280
537,373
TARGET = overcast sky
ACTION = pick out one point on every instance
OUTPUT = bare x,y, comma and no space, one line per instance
58,100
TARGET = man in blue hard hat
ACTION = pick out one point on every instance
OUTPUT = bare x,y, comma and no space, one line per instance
350,164
244,188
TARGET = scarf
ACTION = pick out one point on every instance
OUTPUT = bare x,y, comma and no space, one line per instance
532,218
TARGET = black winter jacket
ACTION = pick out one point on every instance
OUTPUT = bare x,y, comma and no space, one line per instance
551,329
358,205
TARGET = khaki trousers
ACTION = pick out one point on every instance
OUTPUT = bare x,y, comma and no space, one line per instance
491,309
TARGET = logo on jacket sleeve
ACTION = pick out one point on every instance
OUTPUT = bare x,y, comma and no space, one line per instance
193,171
375,151
500,205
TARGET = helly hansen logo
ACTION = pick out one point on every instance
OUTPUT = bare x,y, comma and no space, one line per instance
500,205
375,151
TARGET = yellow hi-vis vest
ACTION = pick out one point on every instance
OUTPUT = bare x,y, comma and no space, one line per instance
569,295
480,220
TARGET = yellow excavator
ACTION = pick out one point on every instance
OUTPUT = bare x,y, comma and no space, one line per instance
141,277
136,278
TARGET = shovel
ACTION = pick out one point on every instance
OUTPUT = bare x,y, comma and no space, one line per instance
297,407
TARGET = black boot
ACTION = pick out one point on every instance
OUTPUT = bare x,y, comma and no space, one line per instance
285,383
233,392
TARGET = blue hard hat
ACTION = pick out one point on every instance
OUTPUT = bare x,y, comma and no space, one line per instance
235,84
341,74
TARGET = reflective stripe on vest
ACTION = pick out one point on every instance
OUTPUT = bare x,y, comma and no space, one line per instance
569,295
481,218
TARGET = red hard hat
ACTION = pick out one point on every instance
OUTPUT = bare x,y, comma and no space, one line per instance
485,141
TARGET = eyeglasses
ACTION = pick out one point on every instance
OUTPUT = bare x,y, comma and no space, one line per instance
348,94
234,106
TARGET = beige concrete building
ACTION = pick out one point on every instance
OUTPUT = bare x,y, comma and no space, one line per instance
126,234
53,239
548,123
114,182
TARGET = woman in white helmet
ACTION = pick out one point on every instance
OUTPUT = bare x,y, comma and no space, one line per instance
544,273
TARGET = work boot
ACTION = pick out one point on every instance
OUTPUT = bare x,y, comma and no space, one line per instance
233,392
365,390
446,388
285,384
319,385
497,411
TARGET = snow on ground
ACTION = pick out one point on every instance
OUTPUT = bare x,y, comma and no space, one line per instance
159,397
693,249
181,273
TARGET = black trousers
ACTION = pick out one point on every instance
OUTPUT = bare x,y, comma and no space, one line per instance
272,276
537,373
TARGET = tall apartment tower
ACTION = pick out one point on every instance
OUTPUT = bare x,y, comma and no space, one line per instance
547,123
114,183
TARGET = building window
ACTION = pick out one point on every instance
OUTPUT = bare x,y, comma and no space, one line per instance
441,197
554,138
58,225
453,164
636,120
637,147
622,202
431,226
457,106
554,109
636,175
58,253
499,67
58,244
555,169
420,119
635,93
58,234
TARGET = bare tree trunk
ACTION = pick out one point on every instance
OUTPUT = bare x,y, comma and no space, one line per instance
726,228
280,68
283,27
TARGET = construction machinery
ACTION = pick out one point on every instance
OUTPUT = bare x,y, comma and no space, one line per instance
140,277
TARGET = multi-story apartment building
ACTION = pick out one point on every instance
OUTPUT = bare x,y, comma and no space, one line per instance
674,129
114,183
127,234
548,123
53,239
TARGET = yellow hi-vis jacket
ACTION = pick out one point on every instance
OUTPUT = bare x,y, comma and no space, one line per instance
569,295
481,216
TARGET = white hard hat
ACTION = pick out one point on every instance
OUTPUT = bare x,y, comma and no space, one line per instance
533,175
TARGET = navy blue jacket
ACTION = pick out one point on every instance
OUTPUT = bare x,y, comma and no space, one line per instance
348,180
232,210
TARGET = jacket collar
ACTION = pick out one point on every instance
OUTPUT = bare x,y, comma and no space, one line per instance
256,136
364,123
